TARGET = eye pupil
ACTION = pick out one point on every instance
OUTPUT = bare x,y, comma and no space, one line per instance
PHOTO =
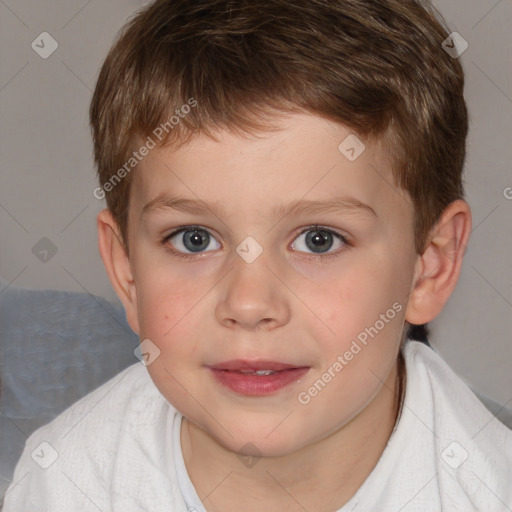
318,239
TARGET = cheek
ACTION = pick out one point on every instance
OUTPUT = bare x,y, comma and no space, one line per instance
167,317
365,305
169,292
163,307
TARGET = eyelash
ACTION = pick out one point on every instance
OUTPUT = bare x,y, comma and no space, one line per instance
187,256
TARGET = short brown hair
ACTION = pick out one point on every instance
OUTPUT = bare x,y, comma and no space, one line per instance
377,66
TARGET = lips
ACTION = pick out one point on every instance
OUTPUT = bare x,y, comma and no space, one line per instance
257,378
254,384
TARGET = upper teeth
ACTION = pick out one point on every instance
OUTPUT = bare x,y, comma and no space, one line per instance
259,372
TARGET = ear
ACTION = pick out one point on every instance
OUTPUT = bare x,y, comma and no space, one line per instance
438,268
117,264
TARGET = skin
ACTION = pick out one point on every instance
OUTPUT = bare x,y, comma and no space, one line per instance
290,305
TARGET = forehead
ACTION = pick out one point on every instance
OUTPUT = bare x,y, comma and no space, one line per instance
307,158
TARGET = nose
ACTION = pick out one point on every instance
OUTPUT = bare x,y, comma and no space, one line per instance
252,297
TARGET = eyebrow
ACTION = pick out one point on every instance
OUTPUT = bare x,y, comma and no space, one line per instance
343,204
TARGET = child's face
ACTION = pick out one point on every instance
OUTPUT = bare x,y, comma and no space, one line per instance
291,304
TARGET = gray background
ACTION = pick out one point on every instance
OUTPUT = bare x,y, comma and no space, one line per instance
47,175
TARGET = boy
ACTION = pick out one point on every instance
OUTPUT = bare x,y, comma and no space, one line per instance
233,141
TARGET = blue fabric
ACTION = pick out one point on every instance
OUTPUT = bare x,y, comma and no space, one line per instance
55,347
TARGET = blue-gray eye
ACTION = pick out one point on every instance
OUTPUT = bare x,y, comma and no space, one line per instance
191,239
318,241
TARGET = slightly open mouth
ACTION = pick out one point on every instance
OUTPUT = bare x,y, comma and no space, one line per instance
257,372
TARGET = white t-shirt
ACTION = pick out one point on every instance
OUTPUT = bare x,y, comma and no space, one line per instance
118,449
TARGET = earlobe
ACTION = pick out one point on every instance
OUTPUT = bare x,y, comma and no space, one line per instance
117,265
438,268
